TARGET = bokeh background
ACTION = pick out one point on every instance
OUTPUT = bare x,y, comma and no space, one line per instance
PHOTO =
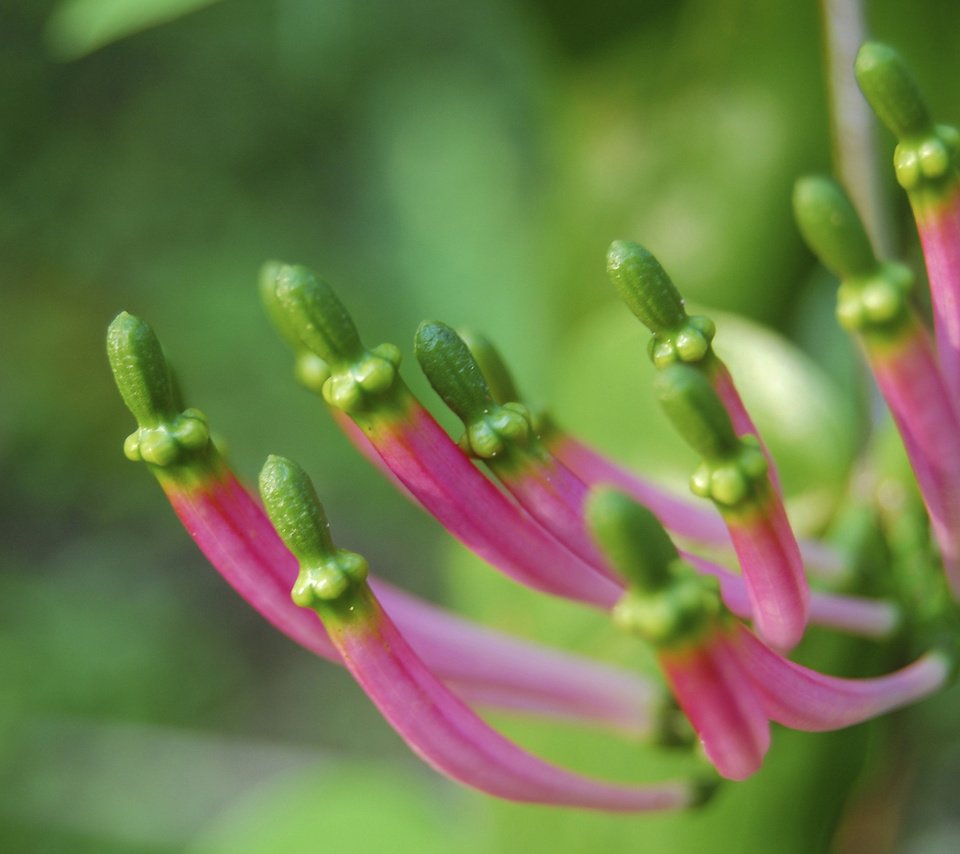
462,161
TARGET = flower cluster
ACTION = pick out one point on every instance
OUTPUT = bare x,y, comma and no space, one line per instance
550,512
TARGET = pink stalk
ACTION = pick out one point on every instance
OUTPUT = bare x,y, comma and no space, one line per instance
773,572
714,691
699,522
445,481
451,738
914,389
872,618
938,223
233,532
743,425
801,698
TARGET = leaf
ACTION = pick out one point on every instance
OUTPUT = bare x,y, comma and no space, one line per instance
79,27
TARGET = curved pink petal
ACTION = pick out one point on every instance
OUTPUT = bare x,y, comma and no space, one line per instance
451,738
714,691
773,571
801,698
490,667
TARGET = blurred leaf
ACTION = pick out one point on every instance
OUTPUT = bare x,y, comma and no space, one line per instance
79,27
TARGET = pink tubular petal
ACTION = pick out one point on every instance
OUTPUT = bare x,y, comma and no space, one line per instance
233,532
449,486
714,691
801,698
773,572
871,618
451,738
692,521
939,228
914,389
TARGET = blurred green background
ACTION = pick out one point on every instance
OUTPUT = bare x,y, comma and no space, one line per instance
462,161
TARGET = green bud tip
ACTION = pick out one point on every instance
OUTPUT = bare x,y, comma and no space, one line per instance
696,411
492,366
830,226
296,513
888,85
312,312
140,370
644,286
452,371
631,537
164,436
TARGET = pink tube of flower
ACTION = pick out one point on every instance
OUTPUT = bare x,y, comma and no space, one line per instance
925,162
233,532
436,725
734,475
366,385
873,304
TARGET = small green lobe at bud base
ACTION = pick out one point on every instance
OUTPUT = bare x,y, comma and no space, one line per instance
315,314
491,365
696,411
631,537
452,371
830,226
891,90
644,286
140,370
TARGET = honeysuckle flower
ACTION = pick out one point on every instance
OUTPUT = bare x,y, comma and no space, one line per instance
873,303
727,681
437,725
548,518
925,163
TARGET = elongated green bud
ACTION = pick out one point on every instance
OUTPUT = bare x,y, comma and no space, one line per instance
667,603
631,537
644,286
164,437
491,429
140,370
650,294
831,227
733,473
891,90
696,411
452,371
492,366
315,314
291,502
926,157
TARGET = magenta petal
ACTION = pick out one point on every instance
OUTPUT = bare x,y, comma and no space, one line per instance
773,571
489,667
714,691
451,738
939,226
801,698
446,482
914,389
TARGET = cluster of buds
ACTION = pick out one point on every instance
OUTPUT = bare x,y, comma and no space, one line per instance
548,511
